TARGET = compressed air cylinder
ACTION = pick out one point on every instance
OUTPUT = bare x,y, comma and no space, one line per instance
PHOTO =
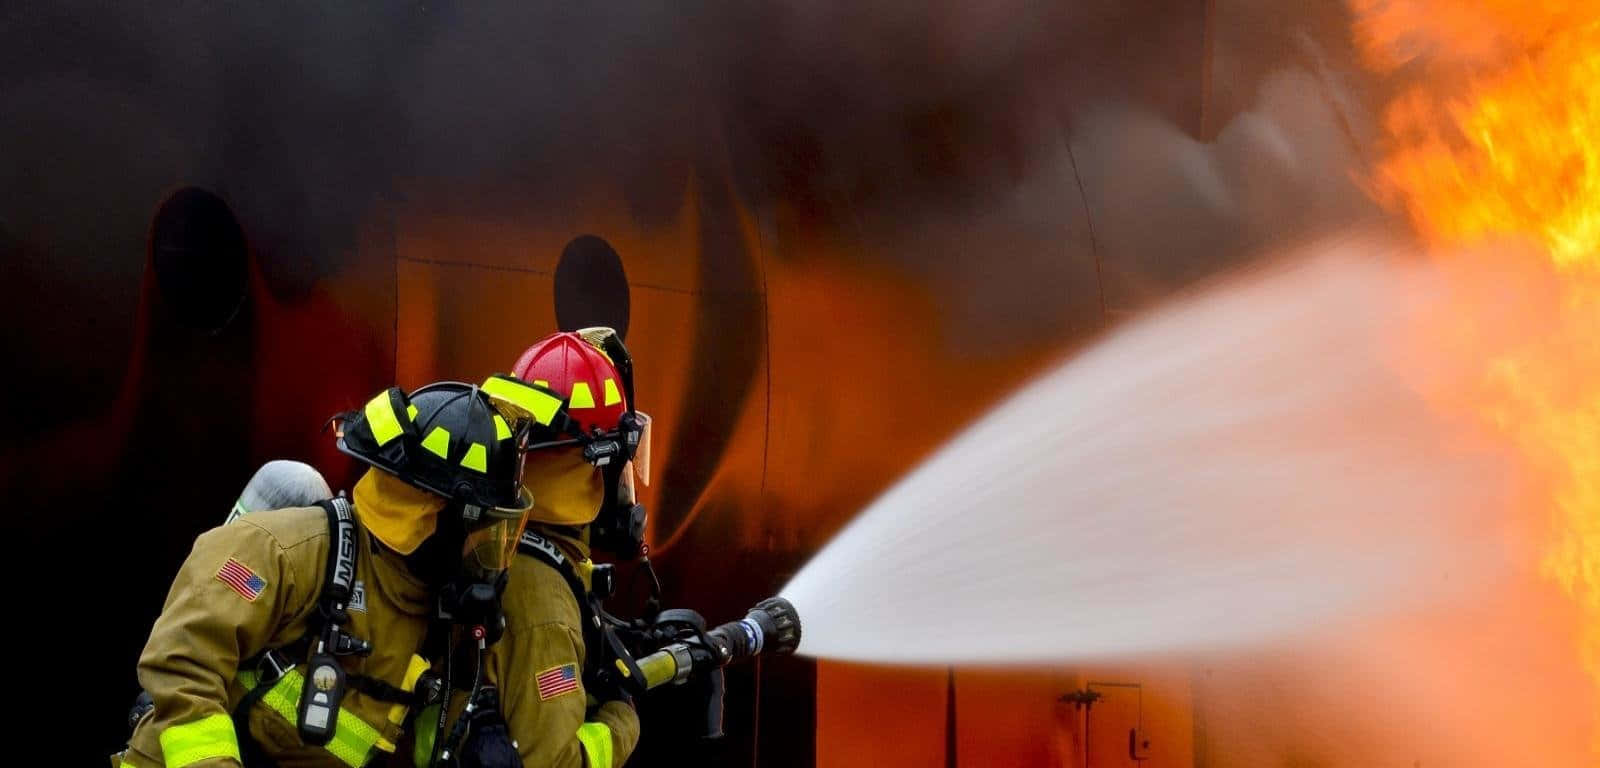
279,484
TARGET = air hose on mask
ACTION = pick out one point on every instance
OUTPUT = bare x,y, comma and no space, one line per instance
468,602
475,605
444,701
463,747
457,733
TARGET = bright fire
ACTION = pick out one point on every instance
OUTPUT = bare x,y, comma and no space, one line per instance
1496,153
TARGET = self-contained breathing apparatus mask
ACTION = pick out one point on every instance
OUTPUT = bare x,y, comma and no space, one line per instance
623,459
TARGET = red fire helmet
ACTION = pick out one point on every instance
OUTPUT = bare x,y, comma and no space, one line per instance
570,366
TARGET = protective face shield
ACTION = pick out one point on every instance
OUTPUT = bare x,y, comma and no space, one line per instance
639,468
625,486
488,549
492,532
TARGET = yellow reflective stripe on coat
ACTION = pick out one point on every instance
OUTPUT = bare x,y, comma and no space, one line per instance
353,738
596,738
208,738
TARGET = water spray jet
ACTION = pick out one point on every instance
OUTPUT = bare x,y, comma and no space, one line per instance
1232,469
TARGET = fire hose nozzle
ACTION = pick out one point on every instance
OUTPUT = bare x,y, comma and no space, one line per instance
780,625
772,627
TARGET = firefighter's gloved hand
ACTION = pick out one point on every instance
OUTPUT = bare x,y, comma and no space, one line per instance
489,742
603,688
141,707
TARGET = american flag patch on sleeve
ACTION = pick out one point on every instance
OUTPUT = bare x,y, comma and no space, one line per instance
556,681
241,579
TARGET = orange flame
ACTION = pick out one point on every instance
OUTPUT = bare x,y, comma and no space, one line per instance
1502,146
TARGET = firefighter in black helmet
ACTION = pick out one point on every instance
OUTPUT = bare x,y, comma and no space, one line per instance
296,635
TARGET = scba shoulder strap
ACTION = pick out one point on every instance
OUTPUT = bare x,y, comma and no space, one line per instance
318,708
339,580
318,713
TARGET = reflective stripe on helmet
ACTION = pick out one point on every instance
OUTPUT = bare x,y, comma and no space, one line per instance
596,738
575,367
581,396
209,738
477,458
438,441
381,419
539,404
353,738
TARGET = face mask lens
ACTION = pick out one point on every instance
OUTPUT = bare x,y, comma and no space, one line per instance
489,549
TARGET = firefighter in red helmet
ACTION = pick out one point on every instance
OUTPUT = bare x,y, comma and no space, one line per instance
582,480
592,370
